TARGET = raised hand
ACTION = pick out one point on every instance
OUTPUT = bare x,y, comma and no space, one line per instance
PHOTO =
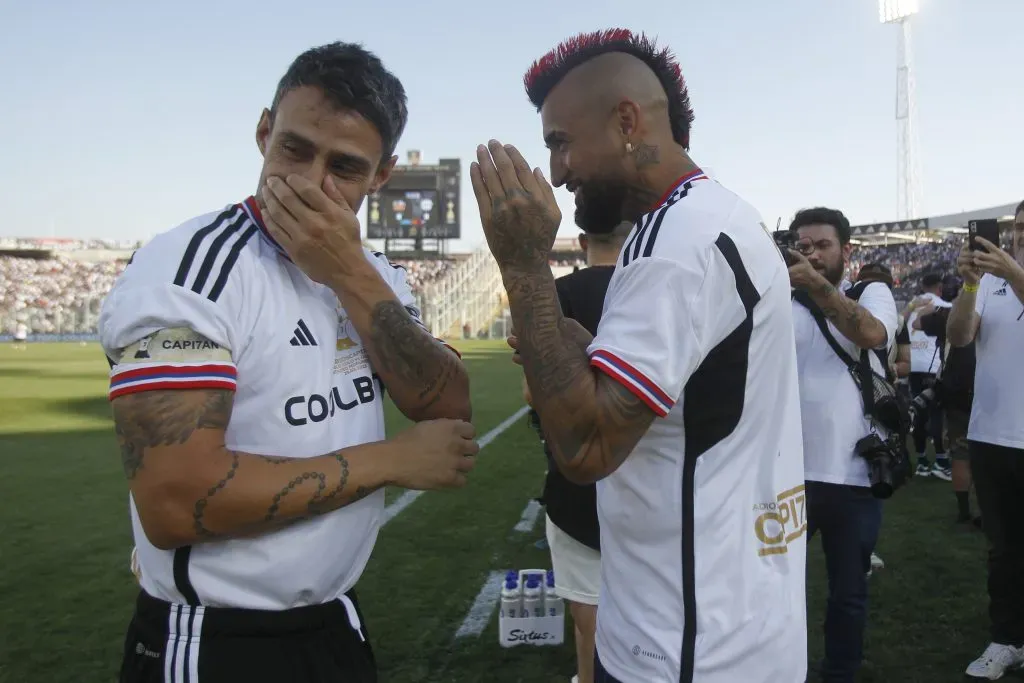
315,226
437,454
518,211
965,266
802,274
994,260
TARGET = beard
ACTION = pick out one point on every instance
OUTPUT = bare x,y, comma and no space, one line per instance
600,206
833,272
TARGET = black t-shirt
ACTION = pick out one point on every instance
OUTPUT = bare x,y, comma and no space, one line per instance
571,507
903,336
958,366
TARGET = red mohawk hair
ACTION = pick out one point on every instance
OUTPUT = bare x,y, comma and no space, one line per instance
548,71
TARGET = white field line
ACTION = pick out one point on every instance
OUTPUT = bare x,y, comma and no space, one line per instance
480,612
529,518
407,498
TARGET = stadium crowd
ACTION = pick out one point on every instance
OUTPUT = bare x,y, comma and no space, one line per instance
63,296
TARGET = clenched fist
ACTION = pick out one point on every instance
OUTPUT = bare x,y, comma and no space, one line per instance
437,454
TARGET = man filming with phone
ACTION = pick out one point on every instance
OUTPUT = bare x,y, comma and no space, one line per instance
990,312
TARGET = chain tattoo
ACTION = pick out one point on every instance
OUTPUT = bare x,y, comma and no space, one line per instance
152,419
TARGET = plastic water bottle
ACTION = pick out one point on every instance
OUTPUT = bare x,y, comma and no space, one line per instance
553,605
511,600
533,598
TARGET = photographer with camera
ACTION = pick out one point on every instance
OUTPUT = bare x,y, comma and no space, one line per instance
990,312
952,395
925,358
839,326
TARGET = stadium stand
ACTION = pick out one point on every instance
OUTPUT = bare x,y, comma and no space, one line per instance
56,286
54,294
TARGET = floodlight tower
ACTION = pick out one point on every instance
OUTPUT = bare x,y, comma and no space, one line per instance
908,179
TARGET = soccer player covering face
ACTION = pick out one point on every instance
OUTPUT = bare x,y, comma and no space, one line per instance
684,407
250,348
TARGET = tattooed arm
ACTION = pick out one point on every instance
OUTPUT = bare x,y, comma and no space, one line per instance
591,422
855,322
425,379
189,487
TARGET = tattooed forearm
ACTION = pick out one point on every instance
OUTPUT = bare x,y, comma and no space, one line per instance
418,372
851,319
189,487
310,486
554,356
199,513
590,421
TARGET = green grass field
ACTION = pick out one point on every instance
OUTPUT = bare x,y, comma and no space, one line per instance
66,592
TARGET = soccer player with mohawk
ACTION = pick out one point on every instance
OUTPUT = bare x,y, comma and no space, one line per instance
684,407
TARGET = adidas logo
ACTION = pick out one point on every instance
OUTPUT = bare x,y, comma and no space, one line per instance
1000,292
302,336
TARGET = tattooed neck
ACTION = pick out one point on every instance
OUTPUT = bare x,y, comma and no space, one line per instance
645,155
657,178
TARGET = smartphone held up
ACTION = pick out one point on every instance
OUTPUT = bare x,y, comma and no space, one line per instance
986,228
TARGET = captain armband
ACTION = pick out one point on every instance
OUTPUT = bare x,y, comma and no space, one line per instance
174,358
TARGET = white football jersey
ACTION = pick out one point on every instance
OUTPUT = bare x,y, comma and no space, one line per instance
303,387
703,527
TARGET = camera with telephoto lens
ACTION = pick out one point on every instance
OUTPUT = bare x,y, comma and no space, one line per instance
885,470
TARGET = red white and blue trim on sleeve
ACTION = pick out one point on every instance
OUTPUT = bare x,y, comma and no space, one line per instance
450,348
132,379
634,380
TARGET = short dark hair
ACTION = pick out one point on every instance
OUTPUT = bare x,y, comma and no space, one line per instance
354,79
548,71
929,280
875,272
1020,207
820,214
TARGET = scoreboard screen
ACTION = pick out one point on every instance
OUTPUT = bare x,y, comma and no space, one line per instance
411,212
418,202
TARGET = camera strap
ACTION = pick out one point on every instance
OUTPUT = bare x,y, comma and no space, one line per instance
859,370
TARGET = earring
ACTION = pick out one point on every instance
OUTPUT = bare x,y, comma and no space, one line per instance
629,147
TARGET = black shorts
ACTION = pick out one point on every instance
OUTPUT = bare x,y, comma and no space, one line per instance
172,643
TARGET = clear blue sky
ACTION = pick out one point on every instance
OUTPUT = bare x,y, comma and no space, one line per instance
122,119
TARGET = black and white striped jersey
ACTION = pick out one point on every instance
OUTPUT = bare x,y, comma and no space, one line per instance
214,303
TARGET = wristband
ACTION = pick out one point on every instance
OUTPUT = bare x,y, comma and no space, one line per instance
970,288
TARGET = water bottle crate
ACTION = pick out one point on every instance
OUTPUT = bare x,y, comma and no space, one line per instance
536,618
